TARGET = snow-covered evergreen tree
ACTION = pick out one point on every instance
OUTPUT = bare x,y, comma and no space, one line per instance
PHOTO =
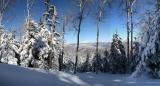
38,46
41,43
117,55
105,61
86,66
48,47
54,38
41,48
29,39
96,64
9,53
150,46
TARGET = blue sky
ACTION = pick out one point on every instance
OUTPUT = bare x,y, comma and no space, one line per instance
114,21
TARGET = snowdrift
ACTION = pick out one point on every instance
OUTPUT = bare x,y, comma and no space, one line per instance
11,75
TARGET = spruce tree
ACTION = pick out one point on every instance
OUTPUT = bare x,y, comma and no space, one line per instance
28,43
117,55
106,61
9,53
86,66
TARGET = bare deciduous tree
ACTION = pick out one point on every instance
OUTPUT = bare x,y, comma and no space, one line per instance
4,6
83,5
128,29
64,27
29,7
132,2
129,11
100,14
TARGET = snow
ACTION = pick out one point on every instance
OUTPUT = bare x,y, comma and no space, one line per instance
11,75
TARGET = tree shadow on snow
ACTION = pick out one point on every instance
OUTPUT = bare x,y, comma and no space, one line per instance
18,76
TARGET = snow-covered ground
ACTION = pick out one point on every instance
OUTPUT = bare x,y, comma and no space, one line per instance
17,76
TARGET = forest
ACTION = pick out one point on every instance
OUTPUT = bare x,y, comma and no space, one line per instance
41,43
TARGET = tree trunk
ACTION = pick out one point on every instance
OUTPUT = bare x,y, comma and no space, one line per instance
97,44
131,15
1,17
50,59
77,48
28,11
128,32
61,60
62,53
1,27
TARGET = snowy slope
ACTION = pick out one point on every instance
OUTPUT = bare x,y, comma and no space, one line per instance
17,76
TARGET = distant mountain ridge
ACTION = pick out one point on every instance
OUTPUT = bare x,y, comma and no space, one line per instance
90,45
84,48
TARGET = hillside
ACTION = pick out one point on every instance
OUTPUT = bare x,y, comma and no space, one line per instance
18,76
